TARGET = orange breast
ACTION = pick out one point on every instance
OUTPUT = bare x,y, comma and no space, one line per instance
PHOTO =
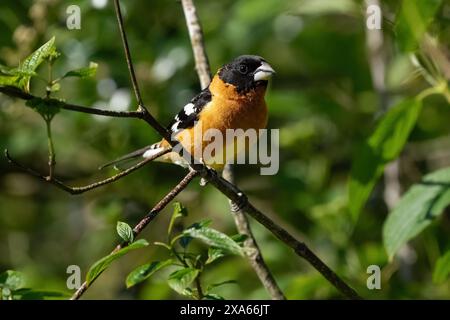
227,110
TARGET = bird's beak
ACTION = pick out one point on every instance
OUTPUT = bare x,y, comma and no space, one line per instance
264,72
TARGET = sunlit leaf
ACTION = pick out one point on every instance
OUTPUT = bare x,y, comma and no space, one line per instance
98,267
145,271
12,279
215,238
85,72
27,68
214,254
181,279
178,211
125,231
420,205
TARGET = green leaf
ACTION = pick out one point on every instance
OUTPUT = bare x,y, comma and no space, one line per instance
12,279
215,238
181,279
383,146
125,231
178,211
30,294
47,108
239,238
28,67
186,239
83,72
54,87
213,296
442,269
419,206
413,21
100,266
145,271
33,61
219,284
8,80
214,254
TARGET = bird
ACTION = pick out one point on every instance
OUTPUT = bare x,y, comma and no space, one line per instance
234,99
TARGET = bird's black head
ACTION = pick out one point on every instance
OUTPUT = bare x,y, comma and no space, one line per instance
246,73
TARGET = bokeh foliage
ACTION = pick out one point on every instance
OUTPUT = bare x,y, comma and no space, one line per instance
322,99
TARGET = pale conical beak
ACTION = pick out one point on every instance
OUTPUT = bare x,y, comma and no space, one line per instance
264,72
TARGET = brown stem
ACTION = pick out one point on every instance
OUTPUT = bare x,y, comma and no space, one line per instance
198,45
78,190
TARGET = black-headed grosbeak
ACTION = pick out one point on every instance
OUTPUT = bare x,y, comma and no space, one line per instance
233,100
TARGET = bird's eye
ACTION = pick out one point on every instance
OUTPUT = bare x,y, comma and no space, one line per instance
243,69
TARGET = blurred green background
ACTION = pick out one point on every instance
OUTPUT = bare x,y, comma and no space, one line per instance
322,100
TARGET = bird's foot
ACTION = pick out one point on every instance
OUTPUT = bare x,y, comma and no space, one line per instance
240,204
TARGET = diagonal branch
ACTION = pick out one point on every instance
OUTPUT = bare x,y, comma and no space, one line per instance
146,220
300,248
78,190
197,42
17,93
242,224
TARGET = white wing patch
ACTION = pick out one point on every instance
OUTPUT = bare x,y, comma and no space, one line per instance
189,109
154,149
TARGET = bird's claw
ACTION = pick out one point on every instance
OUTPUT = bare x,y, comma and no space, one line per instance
240,204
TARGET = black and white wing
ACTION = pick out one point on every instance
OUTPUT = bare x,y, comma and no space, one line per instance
183,120
189,114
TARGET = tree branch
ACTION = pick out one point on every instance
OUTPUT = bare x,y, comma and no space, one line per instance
197,42
142,109
146,220
77,190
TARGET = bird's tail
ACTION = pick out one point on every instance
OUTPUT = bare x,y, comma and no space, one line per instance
134,156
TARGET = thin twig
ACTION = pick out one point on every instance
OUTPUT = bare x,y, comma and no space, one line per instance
126,48
145,221
197,42
17,93
77,190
